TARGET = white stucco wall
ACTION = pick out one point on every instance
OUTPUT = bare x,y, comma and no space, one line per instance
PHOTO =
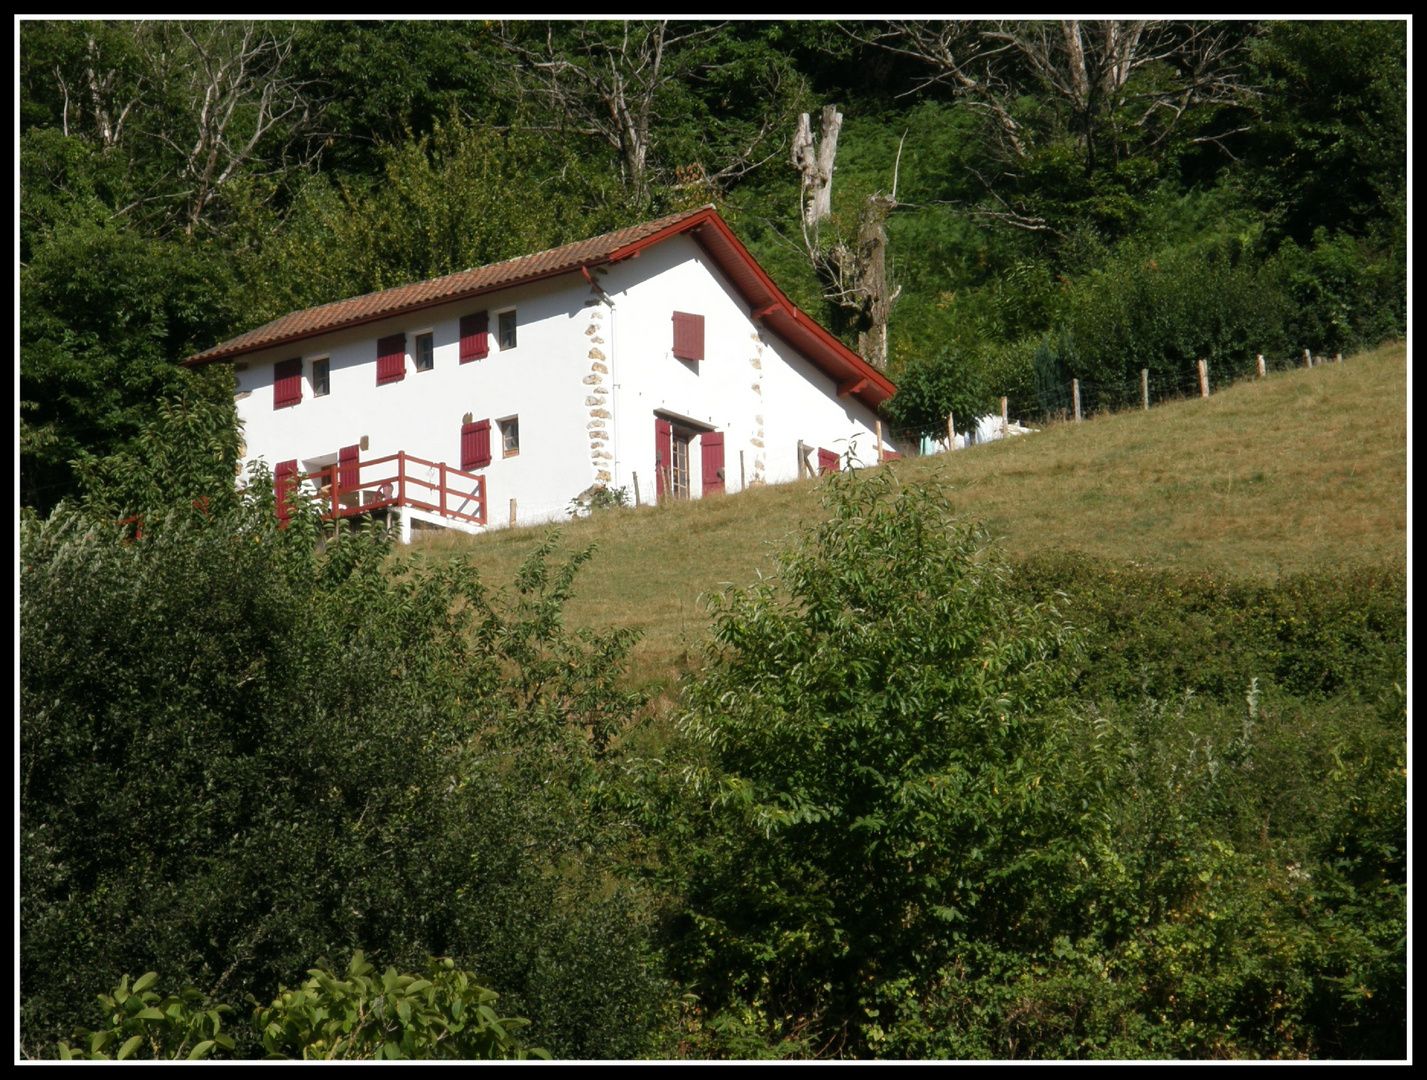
751,385
588,375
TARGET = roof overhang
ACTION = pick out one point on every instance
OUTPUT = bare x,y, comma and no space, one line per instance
767,305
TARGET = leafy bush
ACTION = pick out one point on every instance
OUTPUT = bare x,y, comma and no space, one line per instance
396,1017
1145,629
877,718
244,745
174,1027
329,1017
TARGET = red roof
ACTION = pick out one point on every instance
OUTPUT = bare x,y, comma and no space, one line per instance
765,299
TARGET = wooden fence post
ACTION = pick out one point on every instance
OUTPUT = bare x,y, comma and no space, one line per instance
512,513
636,489
1075,397
879,442
1004,424
1203,379
742,482
1262,369
1145,387
950,432
1337,358
1307,358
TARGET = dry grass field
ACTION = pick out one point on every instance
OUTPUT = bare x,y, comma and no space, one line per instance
1295,471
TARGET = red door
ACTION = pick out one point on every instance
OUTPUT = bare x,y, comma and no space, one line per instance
711,443
663,456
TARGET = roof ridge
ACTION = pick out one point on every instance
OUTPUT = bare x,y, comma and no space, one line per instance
252,338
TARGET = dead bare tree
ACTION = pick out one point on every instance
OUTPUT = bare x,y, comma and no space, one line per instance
1117,88
196,104
615,81
100,96
237,82
854,273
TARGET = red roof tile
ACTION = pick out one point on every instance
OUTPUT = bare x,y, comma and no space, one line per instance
777,311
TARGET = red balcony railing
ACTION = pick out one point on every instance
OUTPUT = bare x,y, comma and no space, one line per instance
399,480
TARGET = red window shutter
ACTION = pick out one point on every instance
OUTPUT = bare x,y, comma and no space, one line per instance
287,383
828,461
284,484
663,456
475,337
391,359
711,447
475,445
688,336
349,467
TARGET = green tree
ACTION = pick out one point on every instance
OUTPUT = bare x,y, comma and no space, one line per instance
877,721
244,746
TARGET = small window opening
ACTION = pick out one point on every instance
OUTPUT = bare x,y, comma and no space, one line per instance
425,353
506,322
321,378
510,436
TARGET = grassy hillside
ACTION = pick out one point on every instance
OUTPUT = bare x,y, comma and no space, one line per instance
1295,472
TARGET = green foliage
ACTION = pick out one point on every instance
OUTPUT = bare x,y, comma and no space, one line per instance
929,389
243,747
1330,149
877,718
1315,635
392,1016
1166,310
1345,292
144,1024
329,1017
598,497
1052,366
104,315
440,205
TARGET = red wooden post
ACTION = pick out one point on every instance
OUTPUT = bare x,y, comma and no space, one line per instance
333,491
442,490
401,478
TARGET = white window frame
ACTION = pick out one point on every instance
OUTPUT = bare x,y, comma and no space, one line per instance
416,336
311,364
500,331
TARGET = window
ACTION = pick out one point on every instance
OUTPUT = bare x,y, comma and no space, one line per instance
475,337
425,354
321,377
506,331
509,436
391,359
688,336
287,383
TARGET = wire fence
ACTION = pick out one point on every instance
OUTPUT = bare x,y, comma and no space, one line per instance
1076,400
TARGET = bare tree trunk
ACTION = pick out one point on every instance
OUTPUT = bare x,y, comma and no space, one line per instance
854,274
872,286
816,163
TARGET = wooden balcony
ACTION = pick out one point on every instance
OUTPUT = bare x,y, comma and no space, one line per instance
398,481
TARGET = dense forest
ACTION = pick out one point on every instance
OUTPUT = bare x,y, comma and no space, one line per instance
903,811
1013,204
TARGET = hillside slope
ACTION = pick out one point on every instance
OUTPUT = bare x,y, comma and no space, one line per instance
1300,470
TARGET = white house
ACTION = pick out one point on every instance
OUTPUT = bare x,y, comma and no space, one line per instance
659,358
